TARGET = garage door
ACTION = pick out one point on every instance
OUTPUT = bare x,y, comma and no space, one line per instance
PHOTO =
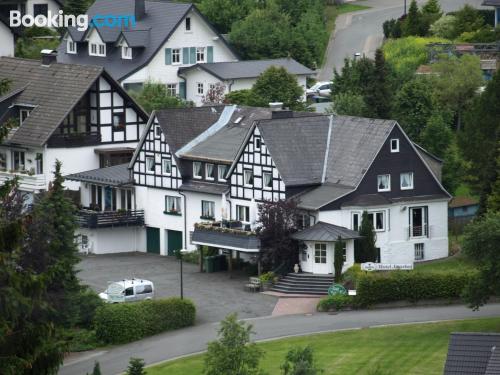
174,241
153,240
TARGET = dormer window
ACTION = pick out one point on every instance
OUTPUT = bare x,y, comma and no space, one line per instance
71,46
188,23
23,115
209,172
197,169
126,53
395,145
97,49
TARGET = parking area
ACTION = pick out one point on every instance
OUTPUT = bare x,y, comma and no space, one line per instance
214,294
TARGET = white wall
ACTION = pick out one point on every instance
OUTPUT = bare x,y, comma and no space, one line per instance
194,211
114,240
6,41
308,265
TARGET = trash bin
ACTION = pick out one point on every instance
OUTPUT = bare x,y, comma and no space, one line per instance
209,264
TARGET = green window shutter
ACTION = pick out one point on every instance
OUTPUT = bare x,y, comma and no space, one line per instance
210,54
168,56
182,89
185,55
192,55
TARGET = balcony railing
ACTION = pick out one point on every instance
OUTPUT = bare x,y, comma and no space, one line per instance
74,140
226,235
27,182
92,219
418,231
227,226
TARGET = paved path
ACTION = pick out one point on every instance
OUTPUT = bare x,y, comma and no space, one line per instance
362,31
194,339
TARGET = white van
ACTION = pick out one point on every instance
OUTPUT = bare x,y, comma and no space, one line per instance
128,291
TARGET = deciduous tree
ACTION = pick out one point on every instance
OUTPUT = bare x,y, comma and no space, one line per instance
154,96
300,361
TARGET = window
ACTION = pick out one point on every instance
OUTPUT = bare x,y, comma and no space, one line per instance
267,178
3,160
200,54
71,46
126,53
248,177
126,199
167,166
406,180
172,89
157,131
150,164
143,289
419,251
207,210
172,205
395,145
384,182
200,88
419,222
257,144
320,253
119,121
176,56
222,172
23,115
40,10
188,24
377,219
242,213
196,169
355,220
97,49
303,221
39,163
209,171
18,161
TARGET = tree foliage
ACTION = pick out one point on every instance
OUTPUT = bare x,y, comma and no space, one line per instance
366,250
437,135
154,96
338,259
223,13
233,353
379,95
76,7
349,104
136,367
300,361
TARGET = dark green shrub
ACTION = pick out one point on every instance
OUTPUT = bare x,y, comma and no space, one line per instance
337,302
409,286
136,367
120,323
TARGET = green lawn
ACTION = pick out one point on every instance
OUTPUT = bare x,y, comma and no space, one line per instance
418,349
456,263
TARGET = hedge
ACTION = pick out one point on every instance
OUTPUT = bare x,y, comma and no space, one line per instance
409,286
125,322
333,303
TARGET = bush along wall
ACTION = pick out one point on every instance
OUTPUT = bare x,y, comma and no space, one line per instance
409,286
121,323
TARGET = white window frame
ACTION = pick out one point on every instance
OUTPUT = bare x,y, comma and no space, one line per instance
221,173
164,163
410,175
186,22
263,180
323,253
207,174
200,54
246,213
177,204
374,214
257,144
359,215
200,88
148,158
23,115
388,182
195,175
211,209
126,52
419,249
245,173
71,47
98,51
172,89
395,149
176,56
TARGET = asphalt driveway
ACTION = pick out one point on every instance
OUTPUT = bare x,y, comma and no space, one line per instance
214,294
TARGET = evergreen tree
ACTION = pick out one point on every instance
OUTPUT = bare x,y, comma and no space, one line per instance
367,251
97,369
136,367
493,204
338,261
413,22
378,95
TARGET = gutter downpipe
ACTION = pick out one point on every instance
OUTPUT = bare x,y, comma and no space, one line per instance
185,219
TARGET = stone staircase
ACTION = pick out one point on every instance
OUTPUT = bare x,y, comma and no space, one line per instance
304,283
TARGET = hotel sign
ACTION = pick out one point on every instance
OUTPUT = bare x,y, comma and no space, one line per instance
386,266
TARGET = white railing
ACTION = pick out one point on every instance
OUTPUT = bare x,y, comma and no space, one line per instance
33,183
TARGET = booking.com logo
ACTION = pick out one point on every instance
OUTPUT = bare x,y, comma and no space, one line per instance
81,22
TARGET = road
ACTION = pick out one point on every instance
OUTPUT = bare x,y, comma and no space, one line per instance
362,31
194,339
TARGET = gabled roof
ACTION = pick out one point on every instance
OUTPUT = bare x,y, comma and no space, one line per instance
322,231
161,19
473,354
248,68
52,90
136,38
462,202
117,175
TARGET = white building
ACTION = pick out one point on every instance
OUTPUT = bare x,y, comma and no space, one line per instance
7,38
167,38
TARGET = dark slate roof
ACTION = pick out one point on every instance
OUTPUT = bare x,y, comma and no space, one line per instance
433,162
240,242
494,363
204,187
249,68
315,199
325,232
161,20
137,38
494,3
470,353
53,91
116,175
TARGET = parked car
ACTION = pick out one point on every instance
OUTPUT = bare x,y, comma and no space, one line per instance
319,88
128,291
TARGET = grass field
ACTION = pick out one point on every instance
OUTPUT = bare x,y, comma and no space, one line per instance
418,349
456,263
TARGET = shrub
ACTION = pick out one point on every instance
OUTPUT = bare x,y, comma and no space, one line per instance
409,286
337,302
120,323
268,277
136,367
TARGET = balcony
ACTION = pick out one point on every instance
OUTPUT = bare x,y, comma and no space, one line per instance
107,219
27,182
418,231
74,140
232,235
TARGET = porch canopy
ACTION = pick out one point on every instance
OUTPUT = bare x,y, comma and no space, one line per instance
117,175
325,232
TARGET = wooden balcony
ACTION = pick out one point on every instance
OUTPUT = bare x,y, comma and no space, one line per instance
74,140
107,219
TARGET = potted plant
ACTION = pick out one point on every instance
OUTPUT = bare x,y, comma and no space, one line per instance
267,280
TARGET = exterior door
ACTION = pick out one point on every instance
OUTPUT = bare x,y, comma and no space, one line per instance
320,261
153,240
174,241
